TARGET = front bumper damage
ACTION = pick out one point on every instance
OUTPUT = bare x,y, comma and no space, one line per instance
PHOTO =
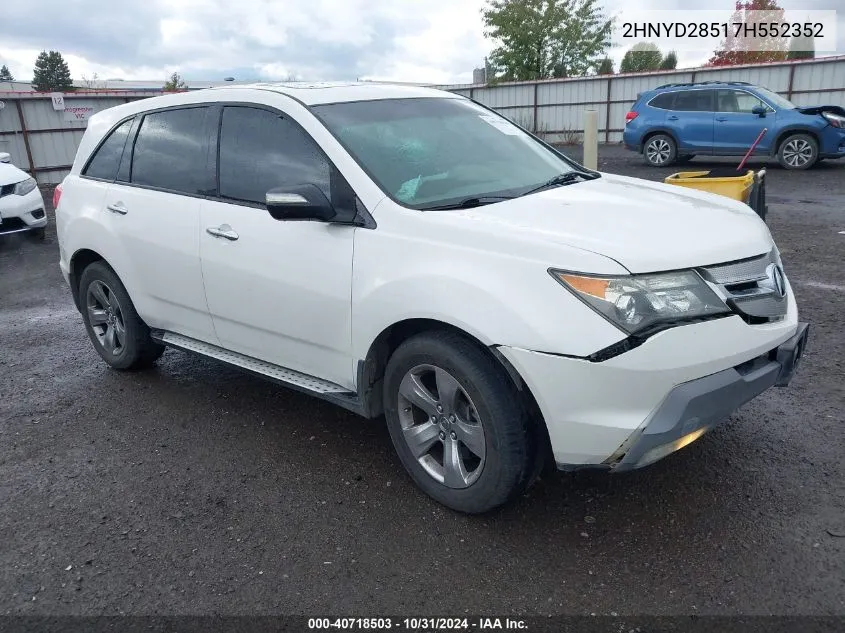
695,407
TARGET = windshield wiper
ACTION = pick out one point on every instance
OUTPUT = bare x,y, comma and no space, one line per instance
563,179
468,203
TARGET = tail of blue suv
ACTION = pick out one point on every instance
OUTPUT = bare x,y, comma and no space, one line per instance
635,125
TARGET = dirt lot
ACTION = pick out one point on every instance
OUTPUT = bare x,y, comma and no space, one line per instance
194,489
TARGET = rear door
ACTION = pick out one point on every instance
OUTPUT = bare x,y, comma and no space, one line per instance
691,121
736,126
153,210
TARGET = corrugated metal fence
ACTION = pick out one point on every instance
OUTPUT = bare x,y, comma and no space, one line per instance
43,140
555,108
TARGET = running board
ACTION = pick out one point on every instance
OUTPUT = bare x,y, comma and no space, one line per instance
286,377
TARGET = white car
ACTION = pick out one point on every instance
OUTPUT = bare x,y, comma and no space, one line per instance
407,252
21,204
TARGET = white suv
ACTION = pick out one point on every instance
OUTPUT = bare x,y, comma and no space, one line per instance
407,252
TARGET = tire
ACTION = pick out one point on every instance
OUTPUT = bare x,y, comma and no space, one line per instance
684,158
799,151
484,426
660,150
105,301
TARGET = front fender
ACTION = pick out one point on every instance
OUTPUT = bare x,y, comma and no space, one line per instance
498,298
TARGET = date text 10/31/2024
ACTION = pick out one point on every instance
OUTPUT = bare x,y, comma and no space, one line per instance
418,624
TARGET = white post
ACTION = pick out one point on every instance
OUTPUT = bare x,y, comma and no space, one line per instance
591,139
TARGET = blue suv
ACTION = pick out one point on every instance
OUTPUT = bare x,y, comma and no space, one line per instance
675,122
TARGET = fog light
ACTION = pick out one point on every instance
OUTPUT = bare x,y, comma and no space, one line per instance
38,214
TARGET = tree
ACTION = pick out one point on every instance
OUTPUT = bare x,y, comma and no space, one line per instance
51,73
175,83
5,75
605,67
741,46
641,57
93,83
799,48
670,62
540,39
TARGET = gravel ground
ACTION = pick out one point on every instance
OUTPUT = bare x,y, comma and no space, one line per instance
194,489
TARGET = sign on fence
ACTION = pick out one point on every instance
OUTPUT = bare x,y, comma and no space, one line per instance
79,111
58,100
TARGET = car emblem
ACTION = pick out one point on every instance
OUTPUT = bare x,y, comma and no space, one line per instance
774,280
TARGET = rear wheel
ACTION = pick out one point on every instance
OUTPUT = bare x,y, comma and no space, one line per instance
799,151
457,422
660,150
119,335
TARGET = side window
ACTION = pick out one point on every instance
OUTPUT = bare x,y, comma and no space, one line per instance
738,101
171,151
694,101
106,160
664,101
261,150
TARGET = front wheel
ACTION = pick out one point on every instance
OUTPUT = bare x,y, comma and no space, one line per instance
457,422
660,150
799,151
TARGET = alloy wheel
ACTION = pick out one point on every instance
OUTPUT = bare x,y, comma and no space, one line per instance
797,152
658,151
105,317
441,426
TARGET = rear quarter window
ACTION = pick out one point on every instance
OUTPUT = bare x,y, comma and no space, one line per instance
664,101
106,158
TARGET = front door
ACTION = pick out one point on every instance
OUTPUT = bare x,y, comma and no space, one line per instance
277,290
737,127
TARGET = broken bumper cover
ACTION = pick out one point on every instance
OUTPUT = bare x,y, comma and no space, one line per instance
693,408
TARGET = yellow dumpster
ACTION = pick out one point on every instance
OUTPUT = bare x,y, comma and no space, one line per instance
737,187
749,187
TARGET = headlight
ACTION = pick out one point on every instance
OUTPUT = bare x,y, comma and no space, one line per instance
638,302
24,187
834,119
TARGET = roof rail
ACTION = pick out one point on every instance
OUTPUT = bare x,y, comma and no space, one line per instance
706,83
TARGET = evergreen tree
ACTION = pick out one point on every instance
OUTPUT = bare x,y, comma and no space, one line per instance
51,73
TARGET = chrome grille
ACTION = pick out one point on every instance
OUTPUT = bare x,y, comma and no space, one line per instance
750,287
739,272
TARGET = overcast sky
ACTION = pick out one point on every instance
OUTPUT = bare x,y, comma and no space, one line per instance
436,41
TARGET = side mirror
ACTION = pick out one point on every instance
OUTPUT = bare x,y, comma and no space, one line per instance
759,110
299,202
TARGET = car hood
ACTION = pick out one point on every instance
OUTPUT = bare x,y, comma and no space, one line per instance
644,226
9,174
824,108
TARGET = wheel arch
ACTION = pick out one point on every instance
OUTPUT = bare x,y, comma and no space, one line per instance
654,132
792,131
371,370
79,261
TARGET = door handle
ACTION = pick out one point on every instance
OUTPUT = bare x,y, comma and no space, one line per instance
224,230
721,118
118,207
673,118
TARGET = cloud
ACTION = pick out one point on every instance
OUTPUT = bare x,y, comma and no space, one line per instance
437,41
